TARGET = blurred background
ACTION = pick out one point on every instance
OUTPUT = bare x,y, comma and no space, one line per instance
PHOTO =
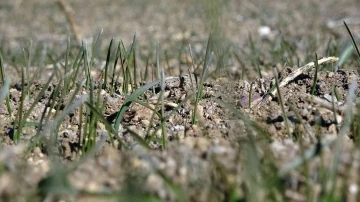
305,26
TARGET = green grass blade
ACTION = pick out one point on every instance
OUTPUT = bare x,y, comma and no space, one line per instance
344,57
94,51
313,88
105,122
107,64
38,97
131,98
137,138
352,39
282,103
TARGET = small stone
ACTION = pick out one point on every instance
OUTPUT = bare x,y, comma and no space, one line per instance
145,123
304,112
37,151
339,118
217,121
332,129
180,134
353,188
195,127
278,125
264,31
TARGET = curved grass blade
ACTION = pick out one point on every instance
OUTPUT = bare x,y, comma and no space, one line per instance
131,98
352,39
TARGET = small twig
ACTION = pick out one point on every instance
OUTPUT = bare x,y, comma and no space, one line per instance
301,70
70,18
325,104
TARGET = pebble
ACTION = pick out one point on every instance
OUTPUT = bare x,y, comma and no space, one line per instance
304,112
330,75
145,123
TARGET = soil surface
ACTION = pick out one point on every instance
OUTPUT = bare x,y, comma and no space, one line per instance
207,160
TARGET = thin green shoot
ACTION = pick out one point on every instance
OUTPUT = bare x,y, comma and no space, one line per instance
333,97
254,56
91,121
49,129
20,120
66,69
107,64
137,138
352,39
106,123
80,131
129,59
146,72
149,136
200,87
158,60
28,60
163,135
77,65
207,62
122,56
3,80
166,118
96,46
86,64
191,69
344,57
38,97
112,89
281,103
313,88
135,69
130,99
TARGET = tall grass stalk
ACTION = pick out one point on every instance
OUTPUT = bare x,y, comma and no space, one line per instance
282,104
313,88
352,39
107,64
163,135
20,121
